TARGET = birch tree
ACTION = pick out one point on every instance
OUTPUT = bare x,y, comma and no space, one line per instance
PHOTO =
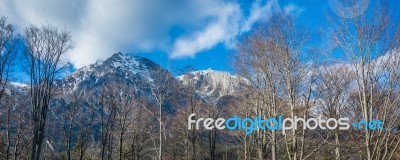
363,39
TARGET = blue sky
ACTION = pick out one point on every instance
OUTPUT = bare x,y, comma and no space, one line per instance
310,13
219,56
173,33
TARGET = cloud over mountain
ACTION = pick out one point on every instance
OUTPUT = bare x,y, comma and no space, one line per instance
101,27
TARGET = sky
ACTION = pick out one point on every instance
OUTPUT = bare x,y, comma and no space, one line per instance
173,33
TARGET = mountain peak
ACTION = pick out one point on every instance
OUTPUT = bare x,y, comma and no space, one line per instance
120,55
123,60
119,66
130,61
210,71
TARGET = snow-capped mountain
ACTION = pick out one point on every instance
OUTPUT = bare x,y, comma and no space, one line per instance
119,67
138,72
211,84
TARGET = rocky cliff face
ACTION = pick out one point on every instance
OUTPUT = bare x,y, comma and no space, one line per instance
212,85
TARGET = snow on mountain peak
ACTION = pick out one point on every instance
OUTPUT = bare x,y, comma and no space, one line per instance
119,65
124,60
212,84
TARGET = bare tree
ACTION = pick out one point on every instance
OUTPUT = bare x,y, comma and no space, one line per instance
193,107
108,104
335,83
45,46
8,49
270,60
69,119
139,133
124,115
86,126
254,63
160,84
362,39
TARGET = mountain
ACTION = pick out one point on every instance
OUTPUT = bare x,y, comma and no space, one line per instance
138,73
118,68
212,85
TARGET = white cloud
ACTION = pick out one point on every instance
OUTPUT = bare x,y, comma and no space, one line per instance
223,28
292,9
230,22
60,13
102,27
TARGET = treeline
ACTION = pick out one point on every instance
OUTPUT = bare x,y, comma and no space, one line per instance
44,121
